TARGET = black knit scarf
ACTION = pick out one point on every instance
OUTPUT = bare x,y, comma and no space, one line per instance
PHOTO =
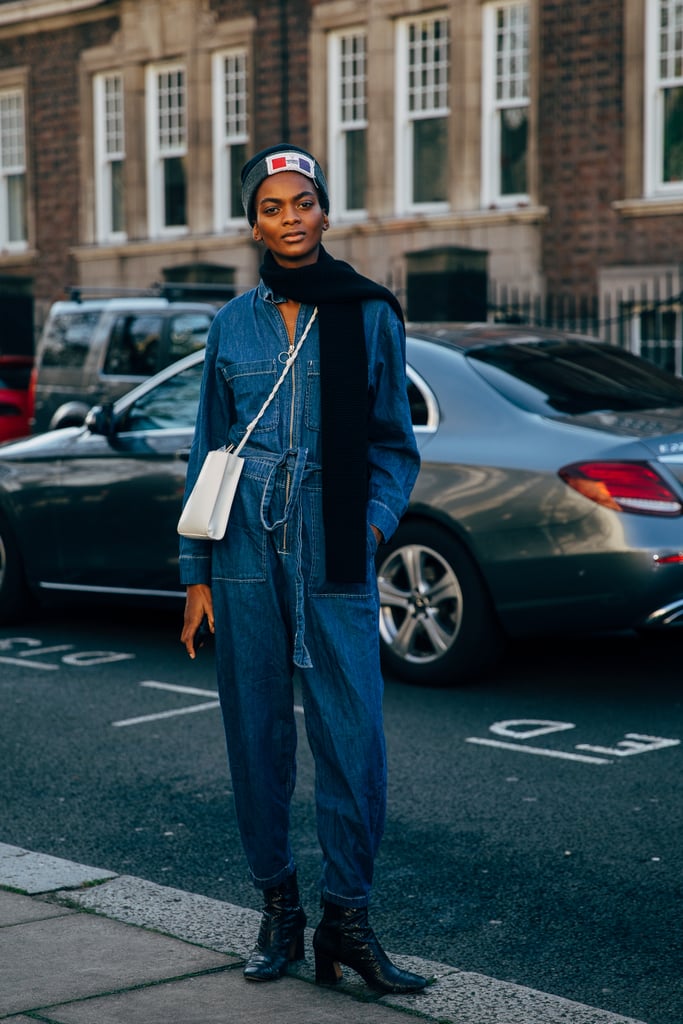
338,290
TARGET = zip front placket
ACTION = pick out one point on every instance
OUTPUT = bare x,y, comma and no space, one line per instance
288,482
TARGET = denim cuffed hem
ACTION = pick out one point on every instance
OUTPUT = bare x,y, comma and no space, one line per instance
382,517
345,901
194,569
270,883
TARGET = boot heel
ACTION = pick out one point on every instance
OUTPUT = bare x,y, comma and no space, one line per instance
327,970
296,947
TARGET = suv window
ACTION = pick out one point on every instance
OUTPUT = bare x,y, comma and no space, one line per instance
134,345
188,333
67,340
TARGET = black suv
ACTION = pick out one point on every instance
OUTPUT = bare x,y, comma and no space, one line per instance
93,351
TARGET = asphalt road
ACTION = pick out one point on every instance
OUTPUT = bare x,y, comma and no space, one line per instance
535,818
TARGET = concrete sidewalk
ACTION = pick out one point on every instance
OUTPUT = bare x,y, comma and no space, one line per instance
82,945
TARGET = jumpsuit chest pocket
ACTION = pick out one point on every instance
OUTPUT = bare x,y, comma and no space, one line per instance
250,384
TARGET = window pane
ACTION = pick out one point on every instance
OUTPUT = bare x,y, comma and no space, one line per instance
113,115
430,168
116,196
12,157
235,95
171,110
174,192
188,333
171,405
673,134
66,343
573,378
134,348
238,158
16,192
513,149
356,146
428,65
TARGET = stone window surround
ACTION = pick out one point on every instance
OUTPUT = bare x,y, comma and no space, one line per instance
465,128
18,79
635,203
133,64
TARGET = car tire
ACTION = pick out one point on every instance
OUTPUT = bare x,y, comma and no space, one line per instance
13,589
437,624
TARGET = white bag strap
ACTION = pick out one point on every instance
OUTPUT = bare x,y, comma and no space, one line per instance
271,396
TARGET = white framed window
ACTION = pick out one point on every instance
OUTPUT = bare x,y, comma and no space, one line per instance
110,155
422,69
13,214
348,120
663,171
167,155
505,104
231,134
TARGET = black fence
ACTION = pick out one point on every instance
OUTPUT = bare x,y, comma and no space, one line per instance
646,320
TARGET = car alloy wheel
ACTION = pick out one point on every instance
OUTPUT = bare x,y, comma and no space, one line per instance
436,624
421,604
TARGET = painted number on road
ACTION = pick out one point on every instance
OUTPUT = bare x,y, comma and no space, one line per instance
29,653
515,731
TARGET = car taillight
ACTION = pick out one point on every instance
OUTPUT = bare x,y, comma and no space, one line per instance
623,486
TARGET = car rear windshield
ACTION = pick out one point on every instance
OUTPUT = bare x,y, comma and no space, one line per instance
67,336
569,378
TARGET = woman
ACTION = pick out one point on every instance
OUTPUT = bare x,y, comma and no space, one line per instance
327,475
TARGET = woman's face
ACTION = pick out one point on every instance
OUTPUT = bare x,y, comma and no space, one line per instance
289,218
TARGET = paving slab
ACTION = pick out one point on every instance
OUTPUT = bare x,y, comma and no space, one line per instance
17,909
39,872
66,958
225,998
221,926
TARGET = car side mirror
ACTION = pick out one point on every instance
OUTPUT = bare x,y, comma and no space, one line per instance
100,420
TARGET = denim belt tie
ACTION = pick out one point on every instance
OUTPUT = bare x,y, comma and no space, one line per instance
293,460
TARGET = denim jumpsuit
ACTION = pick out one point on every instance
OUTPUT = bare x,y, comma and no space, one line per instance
274,609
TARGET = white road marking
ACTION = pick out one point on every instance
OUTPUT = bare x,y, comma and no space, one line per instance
167,714
566,755
193,691
24,664
153,684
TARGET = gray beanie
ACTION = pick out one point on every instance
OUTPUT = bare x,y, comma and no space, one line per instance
282,157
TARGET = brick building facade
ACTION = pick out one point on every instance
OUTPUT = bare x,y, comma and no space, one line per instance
530,149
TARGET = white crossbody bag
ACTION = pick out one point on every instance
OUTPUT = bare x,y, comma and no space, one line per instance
207,509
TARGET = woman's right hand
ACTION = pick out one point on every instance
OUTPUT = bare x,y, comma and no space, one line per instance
198,603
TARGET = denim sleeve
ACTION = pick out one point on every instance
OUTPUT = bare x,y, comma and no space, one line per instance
211,431
393,457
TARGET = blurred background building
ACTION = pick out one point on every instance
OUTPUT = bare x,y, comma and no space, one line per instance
502,160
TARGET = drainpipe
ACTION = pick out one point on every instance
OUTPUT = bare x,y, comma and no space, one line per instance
284,72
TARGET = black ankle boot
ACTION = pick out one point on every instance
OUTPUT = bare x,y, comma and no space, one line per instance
344,936
281,935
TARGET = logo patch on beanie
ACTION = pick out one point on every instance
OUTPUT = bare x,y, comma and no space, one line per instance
290,162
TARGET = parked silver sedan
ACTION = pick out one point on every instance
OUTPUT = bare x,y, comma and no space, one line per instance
550,498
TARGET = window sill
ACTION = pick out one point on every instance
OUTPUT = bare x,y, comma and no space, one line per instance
657,207
18,256
449,220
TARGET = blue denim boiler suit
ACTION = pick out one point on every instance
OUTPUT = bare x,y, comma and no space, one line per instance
274,610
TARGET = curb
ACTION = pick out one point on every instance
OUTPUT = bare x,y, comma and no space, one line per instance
454,997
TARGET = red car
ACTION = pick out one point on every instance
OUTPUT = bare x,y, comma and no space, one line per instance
16,396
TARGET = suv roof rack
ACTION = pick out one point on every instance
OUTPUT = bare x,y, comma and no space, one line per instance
174,291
